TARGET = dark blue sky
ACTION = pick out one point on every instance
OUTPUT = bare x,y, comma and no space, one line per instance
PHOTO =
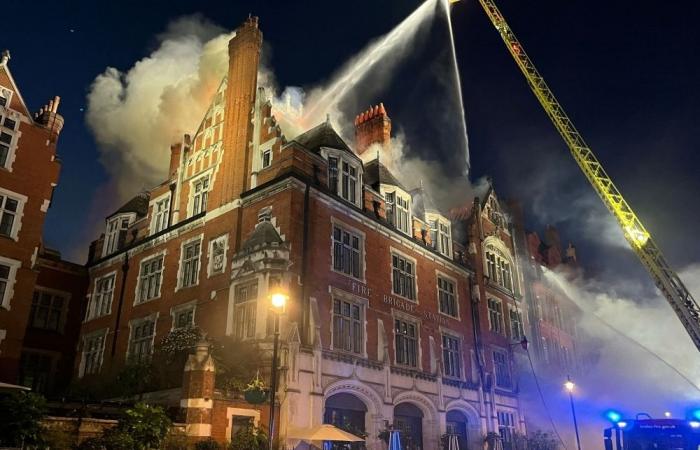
626,72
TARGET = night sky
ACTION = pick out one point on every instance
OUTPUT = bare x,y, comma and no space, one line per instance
626,72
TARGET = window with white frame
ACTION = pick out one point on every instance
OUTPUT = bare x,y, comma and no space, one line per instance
349,182
150,279
9,208
451,356
406,342
48,310
348,325
200,193
183,317
501,369
506,428
516,325
5,146
398,211
495,315
333,174
101,303
189,263
6,278
161,214
347,251
115,233
5,96
143,332
499,267
344,178
245,305
446,297
440,234
266,158
404,276
10,124
93,350
217,254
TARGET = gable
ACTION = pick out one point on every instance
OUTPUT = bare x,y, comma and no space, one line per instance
16,100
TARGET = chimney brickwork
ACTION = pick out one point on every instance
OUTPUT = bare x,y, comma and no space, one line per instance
372,127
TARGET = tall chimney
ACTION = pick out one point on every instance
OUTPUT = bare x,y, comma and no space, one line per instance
372,127
244,57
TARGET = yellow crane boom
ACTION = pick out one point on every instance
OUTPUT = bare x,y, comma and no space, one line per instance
636,234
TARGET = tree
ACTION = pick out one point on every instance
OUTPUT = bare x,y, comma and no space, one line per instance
20,419
249,438
147,425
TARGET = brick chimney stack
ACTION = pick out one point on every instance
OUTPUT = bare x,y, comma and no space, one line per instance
372,127
49,117
244,57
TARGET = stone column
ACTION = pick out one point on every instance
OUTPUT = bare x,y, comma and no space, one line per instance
198,392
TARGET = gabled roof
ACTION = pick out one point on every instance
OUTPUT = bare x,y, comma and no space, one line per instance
376,173
322,135
138,205
264,234
17,102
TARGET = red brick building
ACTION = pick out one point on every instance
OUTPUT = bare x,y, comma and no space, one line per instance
388,317
29,170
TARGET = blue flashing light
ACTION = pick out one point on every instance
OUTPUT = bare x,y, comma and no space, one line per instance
613,416
694,424
621,424
695,414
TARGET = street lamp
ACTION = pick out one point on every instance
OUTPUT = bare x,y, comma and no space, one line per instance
569,385
278,301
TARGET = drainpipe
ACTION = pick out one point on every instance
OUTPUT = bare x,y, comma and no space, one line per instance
305,335
125,272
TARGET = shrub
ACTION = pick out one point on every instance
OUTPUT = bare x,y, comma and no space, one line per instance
250,438
209,444
147,425
20,419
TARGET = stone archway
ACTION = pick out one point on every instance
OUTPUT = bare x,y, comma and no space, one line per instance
347,412
429,420
474,431
374,420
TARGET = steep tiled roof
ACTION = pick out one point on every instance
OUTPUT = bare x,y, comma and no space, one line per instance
264,234
376,173
423,203
322,135
138,205
461,212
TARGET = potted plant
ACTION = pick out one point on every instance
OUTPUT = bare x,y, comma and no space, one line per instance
255,392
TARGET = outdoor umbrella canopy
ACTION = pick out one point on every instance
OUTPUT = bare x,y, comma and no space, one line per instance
324,433
394,440
453,442
6,387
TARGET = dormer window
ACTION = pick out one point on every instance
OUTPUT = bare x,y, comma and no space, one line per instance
440,234
398,210
344,177
115,234
161,214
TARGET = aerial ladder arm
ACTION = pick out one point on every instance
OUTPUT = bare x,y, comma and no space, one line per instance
634,231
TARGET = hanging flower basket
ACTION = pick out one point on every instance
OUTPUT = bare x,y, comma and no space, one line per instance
255,392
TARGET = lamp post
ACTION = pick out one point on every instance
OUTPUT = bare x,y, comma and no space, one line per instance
278,301
569,385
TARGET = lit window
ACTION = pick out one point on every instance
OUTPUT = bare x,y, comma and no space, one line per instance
93,350
184,318
101,303
495,316
190,264
115,234
244,311
347,326
150,278
47,311
200,195
141,340
516,325
406,335
8,209
347,248
502,370
161,215
404,278
266,158
451,358
446,297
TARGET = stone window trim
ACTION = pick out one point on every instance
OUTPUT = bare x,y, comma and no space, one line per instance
258,282
153,227
400,315
392,207
104,332
210,255
90,314
453,280
135,322
267,147
13,265
149,258
18,214
231,412
352,161
363,303
177,309
499,328
335,222
439,220
15,135
460,338
66,305
110,244
493,245
180,268
193,181
395,251
508,366
6,94
521,328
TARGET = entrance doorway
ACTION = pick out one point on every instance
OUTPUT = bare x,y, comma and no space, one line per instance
408,419
346,412
457,424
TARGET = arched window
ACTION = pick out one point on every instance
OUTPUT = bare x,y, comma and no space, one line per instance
498,262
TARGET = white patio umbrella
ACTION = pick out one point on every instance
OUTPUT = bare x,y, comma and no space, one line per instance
453,442
394,440
323,433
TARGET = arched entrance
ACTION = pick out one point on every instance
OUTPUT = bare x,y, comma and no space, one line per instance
457,423
346,412
408,419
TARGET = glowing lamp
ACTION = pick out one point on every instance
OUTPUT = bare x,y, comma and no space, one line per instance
667,414
279,299
694,424
621,424
640,237
613,416
569,385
